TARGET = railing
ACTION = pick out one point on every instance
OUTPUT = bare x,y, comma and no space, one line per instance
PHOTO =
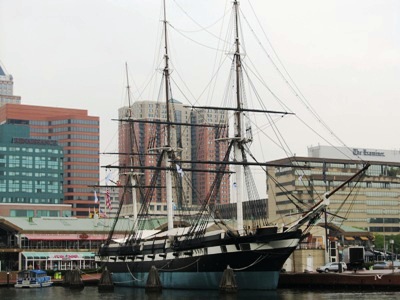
312,246
75,245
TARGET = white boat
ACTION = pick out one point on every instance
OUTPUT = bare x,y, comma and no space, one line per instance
33,279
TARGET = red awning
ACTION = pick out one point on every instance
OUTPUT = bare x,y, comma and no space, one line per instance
66,237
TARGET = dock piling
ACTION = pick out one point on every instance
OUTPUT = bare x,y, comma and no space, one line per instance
106,283
67,278
76,281
228,281
153,283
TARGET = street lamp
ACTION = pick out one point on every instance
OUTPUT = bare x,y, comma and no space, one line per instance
373,252
384,238
391,243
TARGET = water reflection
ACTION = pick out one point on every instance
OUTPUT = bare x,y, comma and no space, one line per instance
91,293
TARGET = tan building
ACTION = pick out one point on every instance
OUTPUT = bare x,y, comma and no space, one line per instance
373,204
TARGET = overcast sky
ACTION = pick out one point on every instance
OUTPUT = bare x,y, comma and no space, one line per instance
344,55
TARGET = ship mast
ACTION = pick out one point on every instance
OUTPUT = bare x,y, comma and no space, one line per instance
131,175
238,130
167,147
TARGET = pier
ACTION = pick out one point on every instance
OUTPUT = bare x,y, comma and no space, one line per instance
362,279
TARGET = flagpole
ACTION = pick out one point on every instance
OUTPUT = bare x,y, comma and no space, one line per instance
105,206
107,199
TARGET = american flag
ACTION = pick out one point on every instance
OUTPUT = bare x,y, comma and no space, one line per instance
108,198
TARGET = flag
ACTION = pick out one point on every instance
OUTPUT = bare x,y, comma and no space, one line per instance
95,197
108,178
179,170
108,198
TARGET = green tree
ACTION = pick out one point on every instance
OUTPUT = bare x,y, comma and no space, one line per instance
379,242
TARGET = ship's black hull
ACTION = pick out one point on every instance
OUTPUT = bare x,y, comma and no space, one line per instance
255,260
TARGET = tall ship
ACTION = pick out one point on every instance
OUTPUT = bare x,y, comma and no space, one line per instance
196,246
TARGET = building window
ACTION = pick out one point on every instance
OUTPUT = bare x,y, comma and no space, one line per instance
21,213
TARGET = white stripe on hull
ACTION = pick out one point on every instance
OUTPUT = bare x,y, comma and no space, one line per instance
273,245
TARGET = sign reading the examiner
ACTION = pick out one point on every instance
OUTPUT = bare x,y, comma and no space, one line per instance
367,152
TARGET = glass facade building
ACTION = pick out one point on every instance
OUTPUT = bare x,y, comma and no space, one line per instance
31,170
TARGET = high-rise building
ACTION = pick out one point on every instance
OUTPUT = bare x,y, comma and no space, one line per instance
141,137
194,143
209,144
7,89
78,134
31,172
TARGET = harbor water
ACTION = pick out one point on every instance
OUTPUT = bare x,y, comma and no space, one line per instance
92,293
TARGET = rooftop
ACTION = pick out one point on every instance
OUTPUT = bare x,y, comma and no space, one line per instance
2,73
63,224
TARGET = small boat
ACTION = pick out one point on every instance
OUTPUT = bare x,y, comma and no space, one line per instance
33,279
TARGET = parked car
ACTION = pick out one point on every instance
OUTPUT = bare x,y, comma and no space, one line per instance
381,265
332,267
386,265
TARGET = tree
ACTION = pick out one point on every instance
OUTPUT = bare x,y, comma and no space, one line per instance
379,242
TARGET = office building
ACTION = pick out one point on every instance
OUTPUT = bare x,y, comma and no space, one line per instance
7,89
209,143
146,138
371,203
78,135
31,173
194,143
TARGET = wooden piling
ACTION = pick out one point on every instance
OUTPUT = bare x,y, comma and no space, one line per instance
228,281
153,283
67,278
76,281
106,283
